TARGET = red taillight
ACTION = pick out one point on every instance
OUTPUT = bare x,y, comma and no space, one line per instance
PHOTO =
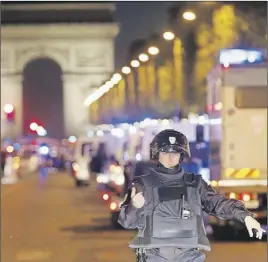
209,108
240,196
246,197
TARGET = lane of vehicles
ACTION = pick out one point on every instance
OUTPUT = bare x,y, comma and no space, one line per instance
230,141
237,97
132,146
237,123
129,143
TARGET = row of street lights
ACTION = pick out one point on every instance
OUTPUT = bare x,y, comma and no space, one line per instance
142,58
189,15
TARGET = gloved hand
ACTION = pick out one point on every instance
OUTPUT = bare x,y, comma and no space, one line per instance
251,224
137,199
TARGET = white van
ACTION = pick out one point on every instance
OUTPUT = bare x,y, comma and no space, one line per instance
84,150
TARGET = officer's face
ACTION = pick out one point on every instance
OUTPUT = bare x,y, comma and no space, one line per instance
169,160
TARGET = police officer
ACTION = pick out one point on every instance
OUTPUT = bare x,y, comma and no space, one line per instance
166,204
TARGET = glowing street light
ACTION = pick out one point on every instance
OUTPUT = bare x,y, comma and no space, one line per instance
168,36
109,84
41,131
105,88
126,70
153,50
135,63
189,15
143,57
33,126
116,78
8,108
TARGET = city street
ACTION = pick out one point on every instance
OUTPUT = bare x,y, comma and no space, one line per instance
51,220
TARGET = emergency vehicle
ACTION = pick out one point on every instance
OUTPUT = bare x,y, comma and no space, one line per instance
196,128
237,102
85,150
135,141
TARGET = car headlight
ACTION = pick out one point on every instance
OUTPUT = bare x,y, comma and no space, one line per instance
115,169
102,179
120,180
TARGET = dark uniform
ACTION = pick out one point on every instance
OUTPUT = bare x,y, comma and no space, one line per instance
170,224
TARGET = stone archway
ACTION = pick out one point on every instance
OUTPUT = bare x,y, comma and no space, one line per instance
84,52
43,96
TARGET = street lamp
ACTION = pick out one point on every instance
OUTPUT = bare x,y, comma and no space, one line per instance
105,88
153,50
168,36
9,113
41,131
135,63
126,70
33,126
189,15
8,108
109,84
116,78
143,57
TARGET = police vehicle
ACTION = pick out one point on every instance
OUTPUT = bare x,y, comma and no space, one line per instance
237,104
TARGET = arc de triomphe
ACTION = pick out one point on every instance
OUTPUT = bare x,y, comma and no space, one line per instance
84,51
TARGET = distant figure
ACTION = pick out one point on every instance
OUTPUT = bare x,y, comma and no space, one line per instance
62,162
128,169
3,159
10,174
43,169
99,160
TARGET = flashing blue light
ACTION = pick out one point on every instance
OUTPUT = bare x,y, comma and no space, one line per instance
16,146
7,140
241,56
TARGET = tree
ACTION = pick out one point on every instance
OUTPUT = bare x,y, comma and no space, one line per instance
231,27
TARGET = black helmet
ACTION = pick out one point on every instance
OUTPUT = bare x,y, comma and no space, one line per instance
169,140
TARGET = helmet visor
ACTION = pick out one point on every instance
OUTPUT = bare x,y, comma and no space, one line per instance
171,149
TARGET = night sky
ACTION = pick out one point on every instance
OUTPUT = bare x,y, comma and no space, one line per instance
137,21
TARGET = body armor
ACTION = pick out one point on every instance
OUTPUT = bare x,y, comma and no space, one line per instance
172,212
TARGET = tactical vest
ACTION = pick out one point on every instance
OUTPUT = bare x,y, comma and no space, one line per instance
172,213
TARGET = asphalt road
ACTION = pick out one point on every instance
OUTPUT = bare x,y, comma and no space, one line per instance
49,220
